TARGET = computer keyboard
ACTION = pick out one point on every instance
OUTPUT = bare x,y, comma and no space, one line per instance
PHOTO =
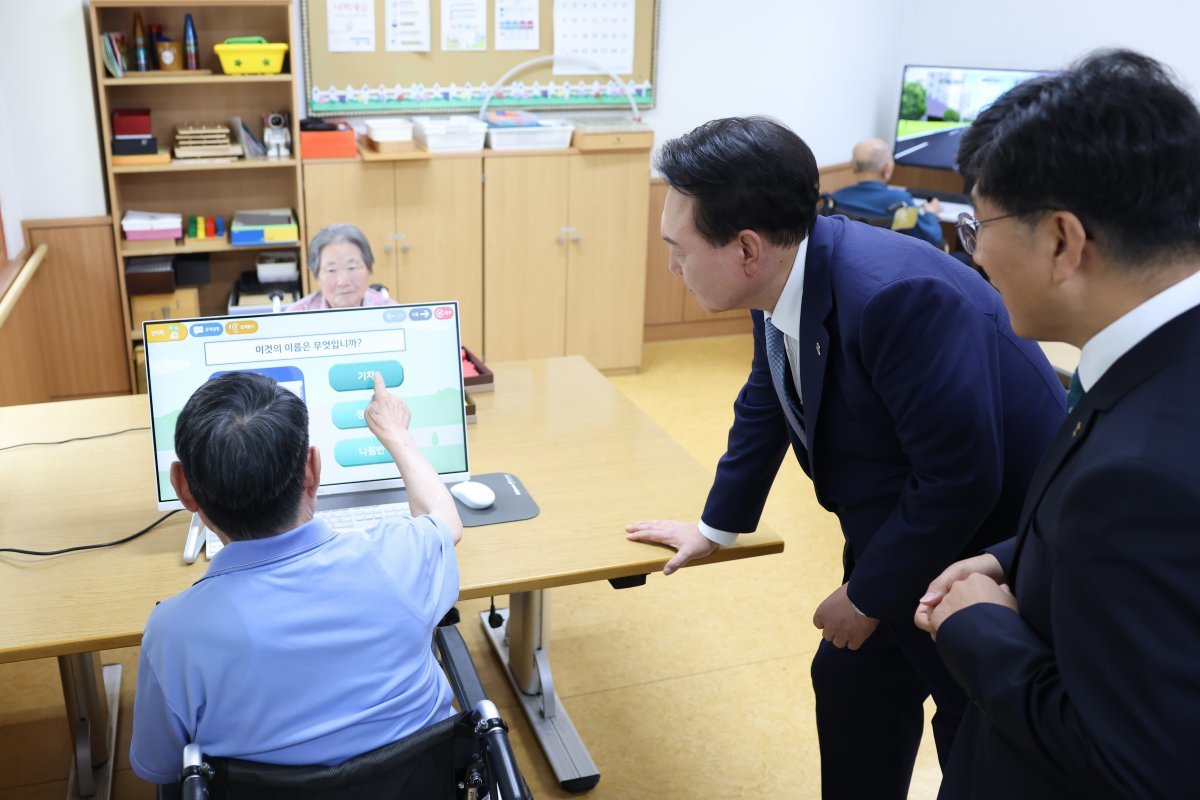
946,197
340,519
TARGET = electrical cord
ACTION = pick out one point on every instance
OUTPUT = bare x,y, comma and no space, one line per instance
77,548
75,439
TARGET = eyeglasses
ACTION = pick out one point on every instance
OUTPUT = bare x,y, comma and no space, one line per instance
968,229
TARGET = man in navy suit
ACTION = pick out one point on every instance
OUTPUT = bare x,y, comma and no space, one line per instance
871,196
893,374
1078,641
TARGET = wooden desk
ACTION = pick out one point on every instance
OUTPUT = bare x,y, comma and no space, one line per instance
590,459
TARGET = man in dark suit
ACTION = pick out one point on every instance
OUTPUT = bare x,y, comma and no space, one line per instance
1078,641
892,372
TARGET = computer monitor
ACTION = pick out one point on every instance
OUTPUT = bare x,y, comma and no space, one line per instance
938,103
329,359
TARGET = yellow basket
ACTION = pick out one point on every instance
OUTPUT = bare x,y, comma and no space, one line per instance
250,55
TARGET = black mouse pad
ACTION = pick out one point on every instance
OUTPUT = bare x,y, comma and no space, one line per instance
512,501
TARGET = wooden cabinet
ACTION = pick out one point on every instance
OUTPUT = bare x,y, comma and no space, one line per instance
196,187
423,218
564,255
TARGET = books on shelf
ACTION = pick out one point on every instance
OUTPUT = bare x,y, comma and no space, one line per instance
252,148
114,53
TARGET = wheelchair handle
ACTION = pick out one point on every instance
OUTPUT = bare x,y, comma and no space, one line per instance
502,765
193,780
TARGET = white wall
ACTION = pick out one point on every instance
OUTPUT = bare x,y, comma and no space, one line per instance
1048,34
49,144
813,64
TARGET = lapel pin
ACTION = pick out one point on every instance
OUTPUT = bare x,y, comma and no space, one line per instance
818,348
1078,426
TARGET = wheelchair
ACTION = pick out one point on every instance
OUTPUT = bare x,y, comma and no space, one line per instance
899,217
465,757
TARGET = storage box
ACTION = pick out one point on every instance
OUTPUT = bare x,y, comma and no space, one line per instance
149,275
193,269
449,134
547,134
265,226
134,145
328,144
176,305
250,55
484,380
250,296
131,122
390,129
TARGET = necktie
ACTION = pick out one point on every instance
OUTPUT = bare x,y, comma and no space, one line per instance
1075,392
782,369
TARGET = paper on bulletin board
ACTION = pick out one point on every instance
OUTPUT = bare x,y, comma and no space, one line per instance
407,24
464,26
599,32
351,26
518,25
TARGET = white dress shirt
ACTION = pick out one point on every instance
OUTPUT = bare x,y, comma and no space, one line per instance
1106,347
785,317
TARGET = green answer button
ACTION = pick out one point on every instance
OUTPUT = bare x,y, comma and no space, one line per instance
350,414
360,452
350,377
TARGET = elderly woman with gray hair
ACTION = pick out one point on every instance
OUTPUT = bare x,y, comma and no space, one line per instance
340,259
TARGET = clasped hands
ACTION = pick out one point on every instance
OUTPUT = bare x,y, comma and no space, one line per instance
962,584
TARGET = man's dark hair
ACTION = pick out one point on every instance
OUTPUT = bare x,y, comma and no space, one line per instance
243,442
1114,140
744,173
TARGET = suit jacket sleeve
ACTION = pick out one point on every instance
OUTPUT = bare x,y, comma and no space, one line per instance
1004,552
933,359
1111,707
757,444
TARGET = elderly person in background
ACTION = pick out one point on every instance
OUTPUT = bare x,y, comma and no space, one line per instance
340,259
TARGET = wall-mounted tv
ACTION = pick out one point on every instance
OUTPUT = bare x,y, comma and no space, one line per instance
938,103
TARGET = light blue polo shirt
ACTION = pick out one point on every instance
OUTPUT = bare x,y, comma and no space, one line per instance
309,647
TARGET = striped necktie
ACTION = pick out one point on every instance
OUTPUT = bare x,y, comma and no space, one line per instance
777,357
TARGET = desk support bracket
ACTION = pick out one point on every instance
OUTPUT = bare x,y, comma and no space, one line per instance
92,696
523,647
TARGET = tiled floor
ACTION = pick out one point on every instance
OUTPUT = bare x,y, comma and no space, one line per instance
693,686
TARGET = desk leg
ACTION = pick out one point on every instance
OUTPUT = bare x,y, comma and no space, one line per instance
522,644
92,695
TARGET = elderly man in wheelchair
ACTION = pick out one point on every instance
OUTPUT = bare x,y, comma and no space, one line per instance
301,664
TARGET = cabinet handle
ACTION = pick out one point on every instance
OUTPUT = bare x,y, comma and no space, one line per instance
560,239
576,238
387,248
404,248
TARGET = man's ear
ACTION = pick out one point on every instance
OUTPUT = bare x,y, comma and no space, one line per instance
182,490
751,247
1068,240
312,471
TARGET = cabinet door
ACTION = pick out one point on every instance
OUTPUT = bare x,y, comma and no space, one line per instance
606,275
361,194
438,238
525,245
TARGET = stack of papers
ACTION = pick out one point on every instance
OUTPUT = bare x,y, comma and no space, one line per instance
147,225
114,55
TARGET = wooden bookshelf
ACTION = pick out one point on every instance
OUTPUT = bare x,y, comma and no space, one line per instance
202,187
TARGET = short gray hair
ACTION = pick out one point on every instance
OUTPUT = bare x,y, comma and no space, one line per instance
338,233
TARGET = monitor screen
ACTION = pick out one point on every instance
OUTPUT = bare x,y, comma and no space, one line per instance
938,103
328,358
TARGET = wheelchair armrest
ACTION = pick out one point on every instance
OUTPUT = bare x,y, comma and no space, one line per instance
497,751
460,669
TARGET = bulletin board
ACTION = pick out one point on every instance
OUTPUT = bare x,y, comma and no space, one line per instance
376,80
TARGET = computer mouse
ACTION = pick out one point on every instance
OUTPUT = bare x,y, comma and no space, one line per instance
473,494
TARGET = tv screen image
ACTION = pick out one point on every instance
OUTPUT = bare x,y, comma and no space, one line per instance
938,103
